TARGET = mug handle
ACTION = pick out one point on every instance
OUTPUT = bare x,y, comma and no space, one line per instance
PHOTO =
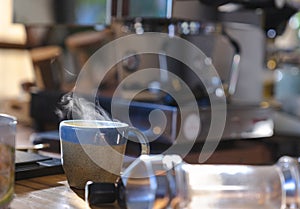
145,148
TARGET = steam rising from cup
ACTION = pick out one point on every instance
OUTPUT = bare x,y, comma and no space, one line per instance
74,106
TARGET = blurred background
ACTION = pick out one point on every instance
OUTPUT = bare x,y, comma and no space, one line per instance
254,46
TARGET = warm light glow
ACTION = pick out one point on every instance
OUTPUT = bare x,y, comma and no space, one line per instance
15,68
271,64
13,34
6,12
10,33
15,64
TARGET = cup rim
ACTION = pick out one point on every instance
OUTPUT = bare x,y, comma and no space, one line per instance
11,119
94,123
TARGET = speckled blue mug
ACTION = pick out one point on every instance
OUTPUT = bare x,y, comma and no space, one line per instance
93,150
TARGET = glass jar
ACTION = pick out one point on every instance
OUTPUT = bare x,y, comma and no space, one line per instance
167,182
7,159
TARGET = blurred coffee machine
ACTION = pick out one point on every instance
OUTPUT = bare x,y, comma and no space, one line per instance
233,39
231,35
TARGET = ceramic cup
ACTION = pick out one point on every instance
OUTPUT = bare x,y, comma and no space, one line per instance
94,150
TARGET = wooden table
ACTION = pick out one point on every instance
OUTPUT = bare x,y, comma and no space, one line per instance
49,192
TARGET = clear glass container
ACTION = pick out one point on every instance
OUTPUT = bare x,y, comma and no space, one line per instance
231,186
165,181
